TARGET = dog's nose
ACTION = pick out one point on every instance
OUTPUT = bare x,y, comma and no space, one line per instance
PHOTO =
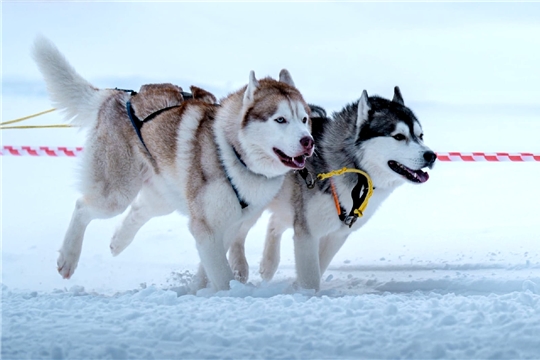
307,142
430,157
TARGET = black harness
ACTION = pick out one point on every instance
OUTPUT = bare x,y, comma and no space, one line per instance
243,204
357,198
138,124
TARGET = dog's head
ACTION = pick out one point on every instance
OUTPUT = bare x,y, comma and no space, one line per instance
275,133
390,140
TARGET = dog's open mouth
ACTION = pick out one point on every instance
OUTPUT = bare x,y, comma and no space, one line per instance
297,162
416,176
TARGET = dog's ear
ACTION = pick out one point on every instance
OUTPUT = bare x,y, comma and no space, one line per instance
363,109
397,96
285,77
251,87
317,111
202,95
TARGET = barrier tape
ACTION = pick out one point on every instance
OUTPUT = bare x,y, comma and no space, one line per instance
441,156
493,157
40,151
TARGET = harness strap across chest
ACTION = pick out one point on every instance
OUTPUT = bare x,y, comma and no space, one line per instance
360,194
243,204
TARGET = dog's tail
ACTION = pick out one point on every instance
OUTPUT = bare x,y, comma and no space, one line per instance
68,90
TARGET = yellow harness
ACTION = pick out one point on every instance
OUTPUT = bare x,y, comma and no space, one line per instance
360,194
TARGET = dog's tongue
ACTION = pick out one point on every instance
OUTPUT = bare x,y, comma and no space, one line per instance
299,161
421,176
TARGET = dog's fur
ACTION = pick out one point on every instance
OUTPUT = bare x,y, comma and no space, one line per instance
201,159
371,134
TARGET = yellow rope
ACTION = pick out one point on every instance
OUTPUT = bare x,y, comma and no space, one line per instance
323,176
35,126
360,211
26,117
3,127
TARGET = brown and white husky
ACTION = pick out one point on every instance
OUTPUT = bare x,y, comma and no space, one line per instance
157,151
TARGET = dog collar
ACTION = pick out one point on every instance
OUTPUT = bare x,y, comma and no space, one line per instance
360,194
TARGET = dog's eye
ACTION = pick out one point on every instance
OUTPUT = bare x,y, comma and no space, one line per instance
281,120
399,137
304,120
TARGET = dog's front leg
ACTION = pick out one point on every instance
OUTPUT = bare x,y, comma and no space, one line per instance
237,254
306,254
212,252
329,246
271,253
200,280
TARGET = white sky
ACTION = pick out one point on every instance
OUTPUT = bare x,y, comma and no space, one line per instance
436,52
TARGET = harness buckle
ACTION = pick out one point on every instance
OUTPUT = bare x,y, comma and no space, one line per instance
310,180
308,177
350,220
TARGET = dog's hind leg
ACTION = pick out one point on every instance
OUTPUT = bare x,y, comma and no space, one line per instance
237,254
150,203
86,209
70,251
271,252
328,248
106,193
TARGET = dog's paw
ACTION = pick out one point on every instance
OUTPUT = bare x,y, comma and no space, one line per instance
267,269
116,249
240,270
118,244
238,263
198,282
67,265
241,275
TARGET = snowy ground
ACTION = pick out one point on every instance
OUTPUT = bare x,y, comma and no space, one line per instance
447,269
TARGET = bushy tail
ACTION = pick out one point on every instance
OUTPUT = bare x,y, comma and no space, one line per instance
68,90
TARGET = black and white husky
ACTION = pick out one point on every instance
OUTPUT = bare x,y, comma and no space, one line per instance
381,138
219,165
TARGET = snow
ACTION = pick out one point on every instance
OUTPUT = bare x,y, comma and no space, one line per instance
447,269
156,323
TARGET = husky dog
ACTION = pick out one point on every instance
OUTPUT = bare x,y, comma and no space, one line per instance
381,137
219,165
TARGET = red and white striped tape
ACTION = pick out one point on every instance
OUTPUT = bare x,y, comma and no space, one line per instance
441,156
481,156
40,151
